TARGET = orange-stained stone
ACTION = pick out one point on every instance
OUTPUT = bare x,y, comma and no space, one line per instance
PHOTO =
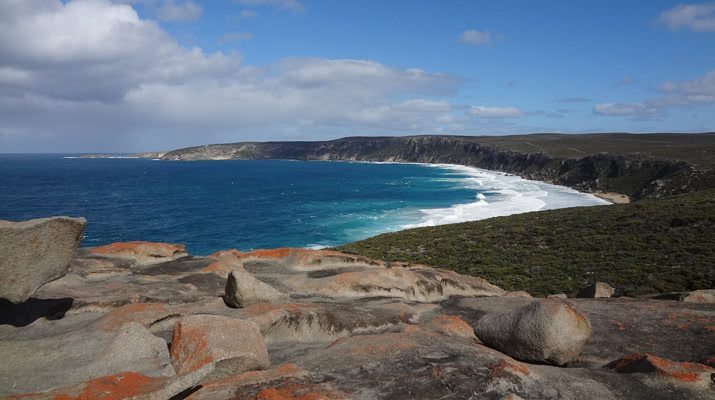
145,248
507,366
113,387
647,363
297,391
453,326
251,378
190,347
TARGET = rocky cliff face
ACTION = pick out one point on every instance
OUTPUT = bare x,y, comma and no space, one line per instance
633,175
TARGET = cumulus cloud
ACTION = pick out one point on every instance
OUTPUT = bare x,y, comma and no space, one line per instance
178,12
474,37
696,17
496,112
673,94
94,75
293,5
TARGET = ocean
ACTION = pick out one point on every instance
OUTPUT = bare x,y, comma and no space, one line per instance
214,205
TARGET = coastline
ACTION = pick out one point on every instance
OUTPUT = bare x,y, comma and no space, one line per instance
612,197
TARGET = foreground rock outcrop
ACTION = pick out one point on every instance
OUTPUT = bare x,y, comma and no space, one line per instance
121,325
546,330
35,252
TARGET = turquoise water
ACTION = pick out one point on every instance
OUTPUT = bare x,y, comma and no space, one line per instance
213,205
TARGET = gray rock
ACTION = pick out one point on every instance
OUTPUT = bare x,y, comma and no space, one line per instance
234,345
242,289
700,296
35,252
546,330
66,359
597,290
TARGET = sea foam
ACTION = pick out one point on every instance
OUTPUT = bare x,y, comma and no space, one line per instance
499,195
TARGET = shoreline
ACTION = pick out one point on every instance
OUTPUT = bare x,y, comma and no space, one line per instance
613,197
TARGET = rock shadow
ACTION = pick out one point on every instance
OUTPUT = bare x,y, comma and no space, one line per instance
27,312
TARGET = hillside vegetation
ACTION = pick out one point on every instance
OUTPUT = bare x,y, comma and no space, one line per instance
652,246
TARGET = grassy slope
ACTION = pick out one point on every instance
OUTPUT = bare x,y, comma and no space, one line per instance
645,247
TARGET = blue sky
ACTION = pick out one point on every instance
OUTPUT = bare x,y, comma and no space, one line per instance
157,74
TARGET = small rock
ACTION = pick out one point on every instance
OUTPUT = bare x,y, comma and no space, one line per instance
596,290
242,289
701,296
234,345
35,252
143,253
687,372
511,396
545,330
558,296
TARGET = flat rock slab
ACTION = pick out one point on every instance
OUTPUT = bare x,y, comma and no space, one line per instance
38,364
35,252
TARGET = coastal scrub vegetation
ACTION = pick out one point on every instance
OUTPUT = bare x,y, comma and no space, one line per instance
646,247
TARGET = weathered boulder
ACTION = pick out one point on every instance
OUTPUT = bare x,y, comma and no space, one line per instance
126,385
545,330
243,289
234,345
685,372
700,296
65,359
558,296
597,290
35,252
143,253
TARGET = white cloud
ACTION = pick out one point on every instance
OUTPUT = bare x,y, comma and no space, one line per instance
178,12
496,112
696,17
674,94
103,78
476,38
624,109
293,5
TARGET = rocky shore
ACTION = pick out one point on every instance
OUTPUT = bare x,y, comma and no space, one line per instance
143,320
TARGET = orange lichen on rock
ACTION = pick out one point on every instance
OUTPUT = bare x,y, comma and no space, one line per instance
452,325
144,313
646,363
189,349
300,391
120,386
151,249
218,268
507,366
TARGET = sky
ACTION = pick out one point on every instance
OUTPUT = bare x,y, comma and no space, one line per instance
152,75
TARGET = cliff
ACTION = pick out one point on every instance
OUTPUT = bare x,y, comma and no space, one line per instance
639,166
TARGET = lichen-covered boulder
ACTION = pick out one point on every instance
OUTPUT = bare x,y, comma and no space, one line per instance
546,330
35,252
234,345
700,296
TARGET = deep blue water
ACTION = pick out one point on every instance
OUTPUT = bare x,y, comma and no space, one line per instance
213,205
